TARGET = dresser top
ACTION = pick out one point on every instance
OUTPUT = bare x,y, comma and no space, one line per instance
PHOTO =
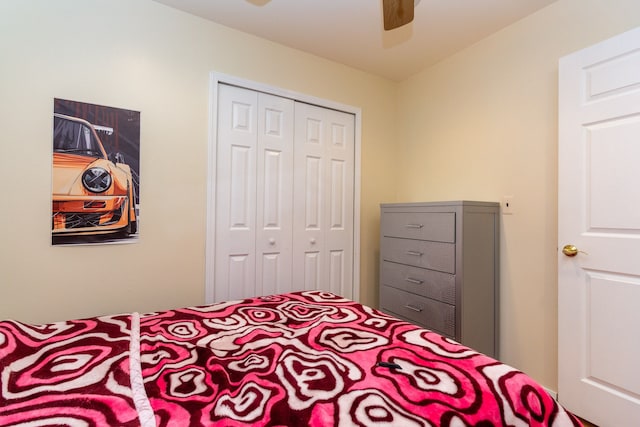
446,203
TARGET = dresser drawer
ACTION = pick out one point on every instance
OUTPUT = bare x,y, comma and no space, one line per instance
428,283
434,226
426,312
432,255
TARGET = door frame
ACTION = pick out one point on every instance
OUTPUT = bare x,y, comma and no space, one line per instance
215,79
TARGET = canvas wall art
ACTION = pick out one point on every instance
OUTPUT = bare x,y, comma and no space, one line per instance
96,174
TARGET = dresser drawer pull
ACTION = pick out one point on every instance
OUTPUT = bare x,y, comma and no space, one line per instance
415,226
414,281
413,308
414,253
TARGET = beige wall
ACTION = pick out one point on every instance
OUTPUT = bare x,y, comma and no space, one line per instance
483,124
479,125
140,55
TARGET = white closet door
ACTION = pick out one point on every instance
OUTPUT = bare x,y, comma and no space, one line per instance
274,216
324,199
253,194
284,205
236,193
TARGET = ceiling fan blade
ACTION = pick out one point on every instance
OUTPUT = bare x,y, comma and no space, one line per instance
397,13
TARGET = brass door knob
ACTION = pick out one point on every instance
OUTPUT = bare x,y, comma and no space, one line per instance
570,250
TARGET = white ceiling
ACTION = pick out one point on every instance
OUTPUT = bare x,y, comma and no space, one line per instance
350,31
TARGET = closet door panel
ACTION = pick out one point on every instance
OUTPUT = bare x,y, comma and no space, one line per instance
274,196
236,192
240,205
337,208
311,272
324,190
312,192
337,271
308,205
240,272
270,268
340,170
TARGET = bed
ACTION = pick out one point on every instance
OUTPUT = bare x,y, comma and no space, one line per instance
297,359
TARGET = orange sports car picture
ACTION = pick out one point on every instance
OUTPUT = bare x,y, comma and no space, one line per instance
94,192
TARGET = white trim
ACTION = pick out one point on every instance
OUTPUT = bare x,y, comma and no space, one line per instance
215,79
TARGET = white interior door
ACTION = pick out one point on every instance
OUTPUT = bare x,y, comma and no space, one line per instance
324,199
599,213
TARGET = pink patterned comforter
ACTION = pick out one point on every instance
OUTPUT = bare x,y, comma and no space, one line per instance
306,358
73,373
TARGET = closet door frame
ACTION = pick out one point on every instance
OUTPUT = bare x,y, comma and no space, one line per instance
215,79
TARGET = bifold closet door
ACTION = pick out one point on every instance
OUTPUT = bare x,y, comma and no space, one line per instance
324,199
254,184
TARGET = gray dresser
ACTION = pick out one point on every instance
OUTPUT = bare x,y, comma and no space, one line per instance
439,268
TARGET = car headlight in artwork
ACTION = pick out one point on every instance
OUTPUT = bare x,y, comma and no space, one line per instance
96,180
